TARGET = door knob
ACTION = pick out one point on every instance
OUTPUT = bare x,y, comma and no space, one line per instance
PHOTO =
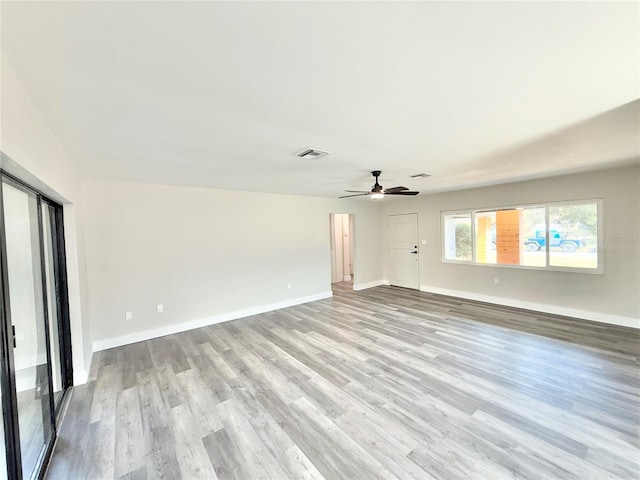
415,251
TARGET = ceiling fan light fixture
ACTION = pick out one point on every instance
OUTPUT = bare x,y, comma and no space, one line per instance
378,192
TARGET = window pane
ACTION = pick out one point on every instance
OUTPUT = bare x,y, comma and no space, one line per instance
507,237
486,237
457,237
48,228
511,236
573,235
532,233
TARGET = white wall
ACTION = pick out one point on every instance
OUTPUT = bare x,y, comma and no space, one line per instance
31,152
612,297
208,255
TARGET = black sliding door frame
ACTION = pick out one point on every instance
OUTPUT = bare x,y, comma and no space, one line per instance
62,291
7,376
49,424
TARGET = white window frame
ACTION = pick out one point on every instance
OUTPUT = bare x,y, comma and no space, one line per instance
546,205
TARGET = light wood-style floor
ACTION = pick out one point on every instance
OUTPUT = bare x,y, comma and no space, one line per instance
383,383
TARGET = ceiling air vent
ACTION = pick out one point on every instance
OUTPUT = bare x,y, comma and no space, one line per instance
420,175
312,153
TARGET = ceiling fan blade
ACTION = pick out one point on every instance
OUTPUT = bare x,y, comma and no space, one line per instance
402,193
395,189
357,191
356,195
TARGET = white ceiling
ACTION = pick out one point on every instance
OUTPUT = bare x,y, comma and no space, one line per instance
224,94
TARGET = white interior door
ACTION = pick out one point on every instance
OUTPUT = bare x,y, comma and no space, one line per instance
403,250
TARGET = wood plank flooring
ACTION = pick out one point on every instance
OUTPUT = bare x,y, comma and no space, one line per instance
382,383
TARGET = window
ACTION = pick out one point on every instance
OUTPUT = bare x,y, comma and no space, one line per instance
457,237
558,236
573,235
499,234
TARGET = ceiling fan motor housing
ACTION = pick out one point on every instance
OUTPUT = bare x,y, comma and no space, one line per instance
376,188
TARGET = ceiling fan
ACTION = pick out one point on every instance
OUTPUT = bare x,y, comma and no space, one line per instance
378,192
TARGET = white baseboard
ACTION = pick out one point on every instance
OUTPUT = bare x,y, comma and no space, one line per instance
375,283
539,307
203,322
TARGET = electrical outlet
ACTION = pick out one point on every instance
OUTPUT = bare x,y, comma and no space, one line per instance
160,308
128,315
496,281
289,286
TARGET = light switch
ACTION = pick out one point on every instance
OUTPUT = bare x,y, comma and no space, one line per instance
159,308
423,242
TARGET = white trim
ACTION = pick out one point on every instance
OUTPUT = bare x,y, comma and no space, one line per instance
202,322
364,286
80,377
346,278
539,307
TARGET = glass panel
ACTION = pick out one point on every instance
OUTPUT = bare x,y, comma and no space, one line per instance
532,233
27,315
511,236
48,229
486,237
457,237
573,235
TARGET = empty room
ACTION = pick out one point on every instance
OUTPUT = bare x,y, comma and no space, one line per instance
319,240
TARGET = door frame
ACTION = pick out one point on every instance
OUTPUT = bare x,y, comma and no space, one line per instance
351,247
7,374
390,248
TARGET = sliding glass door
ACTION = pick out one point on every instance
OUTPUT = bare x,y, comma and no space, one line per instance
53,294
38,351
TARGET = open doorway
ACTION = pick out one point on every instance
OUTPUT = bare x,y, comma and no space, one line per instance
342,247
